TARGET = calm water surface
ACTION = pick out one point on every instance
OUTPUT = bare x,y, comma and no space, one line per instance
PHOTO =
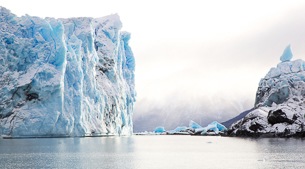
152,152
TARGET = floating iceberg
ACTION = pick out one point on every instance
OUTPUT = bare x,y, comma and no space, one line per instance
65,77
159,129
179,130
212,128
195,129
194,125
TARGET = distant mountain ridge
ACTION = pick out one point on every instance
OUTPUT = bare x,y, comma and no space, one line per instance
229,122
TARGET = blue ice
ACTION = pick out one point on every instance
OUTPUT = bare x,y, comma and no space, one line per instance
287,54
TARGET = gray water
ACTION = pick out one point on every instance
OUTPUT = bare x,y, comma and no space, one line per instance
152,152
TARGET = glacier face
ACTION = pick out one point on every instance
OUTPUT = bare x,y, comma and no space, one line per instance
65,77
280,102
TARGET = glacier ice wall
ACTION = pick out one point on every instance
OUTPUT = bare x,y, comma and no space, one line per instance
65,77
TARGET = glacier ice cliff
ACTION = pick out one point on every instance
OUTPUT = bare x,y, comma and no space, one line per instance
280,102
65,77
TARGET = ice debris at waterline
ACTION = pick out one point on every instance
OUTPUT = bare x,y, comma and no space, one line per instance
213,128
65,77
280,103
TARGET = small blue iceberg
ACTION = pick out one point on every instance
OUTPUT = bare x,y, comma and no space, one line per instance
159,130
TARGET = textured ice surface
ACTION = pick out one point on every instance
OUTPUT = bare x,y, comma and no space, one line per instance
280,102
65,77
281,83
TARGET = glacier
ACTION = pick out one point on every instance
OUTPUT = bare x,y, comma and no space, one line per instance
65,77
280,102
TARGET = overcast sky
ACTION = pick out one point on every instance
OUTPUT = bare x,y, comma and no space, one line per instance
195,60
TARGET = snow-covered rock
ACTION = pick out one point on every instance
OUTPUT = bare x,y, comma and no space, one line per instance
280,102
65,77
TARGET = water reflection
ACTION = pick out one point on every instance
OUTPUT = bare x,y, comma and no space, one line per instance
194,152
150,152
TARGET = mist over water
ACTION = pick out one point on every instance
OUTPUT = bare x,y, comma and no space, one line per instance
180,109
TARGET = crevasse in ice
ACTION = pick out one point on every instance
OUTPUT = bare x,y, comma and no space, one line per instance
65,77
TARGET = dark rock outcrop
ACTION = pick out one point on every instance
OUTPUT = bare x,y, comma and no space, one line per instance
278,116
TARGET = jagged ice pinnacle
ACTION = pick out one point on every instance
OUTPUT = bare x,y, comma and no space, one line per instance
287,54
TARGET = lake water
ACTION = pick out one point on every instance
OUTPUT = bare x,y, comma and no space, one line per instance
152,152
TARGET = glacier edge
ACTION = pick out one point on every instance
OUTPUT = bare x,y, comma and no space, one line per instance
65,77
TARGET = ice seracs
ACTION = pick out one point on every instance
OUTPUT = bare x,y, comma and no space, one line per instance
65,77
280,102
